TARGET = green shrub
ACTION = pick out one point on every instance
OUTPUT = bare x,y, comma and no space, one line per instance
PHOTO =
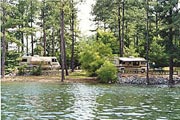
37,70
22,70
12,61
107,73
93,56
91,61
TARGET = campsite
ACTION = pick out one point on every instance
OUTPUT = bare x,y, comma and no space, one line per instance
90,59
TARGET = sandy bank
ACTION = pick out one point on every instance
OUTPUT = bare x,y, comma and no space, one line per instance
48,79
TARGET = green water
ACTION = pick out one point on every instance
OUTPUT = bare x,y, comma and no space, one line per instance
52,101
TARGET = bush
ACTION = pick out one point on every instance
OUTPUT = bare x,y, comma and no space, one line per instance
12,61
37,70
91,61
93,56
22,70
107,73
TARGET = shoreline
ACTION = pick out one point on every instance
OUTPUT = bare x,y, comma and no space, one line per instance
122,79
46,79
141,79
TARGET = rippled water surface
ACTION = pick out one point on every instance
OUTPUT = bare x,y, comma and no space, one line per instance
52,101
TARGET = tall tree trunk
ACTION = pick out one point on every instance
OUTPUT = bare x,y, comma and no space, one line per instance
65,60
3,42
21,49
32,41
119,29
32,45
3,54
22,40
53,40
44,28
171,81
136,38
157,19
22,34
73,40
27,44
147,41
62,44
44,39
126,30
170,44
122,38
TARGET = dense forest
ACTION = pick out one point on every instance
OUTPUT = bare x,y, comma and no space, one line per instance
149,29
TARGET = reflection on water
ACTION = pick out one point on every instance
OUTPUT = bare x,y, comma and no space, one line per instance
50,101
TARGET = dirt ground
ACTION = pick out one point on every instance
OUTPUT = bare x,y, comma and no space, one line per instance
48,79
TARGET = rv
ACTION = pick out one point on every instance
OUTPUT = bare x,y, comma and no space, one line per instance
45,62
131,63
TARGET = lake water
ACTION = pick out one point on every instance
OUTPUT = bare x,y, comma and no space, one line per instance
52,101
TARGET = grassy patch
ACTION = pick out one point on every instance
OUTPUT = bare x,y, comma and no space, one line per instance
78,74
175,68
178,69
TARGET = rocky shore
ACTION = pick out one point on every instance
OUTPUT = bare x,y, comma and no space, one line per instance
141,80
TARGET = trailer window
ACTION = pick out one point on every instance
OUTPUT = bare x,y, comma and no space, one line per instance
24,60
54,60
143,63
136,63
122,62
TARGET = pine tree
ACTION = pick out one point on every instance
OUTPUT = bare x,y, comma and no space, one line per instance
170,20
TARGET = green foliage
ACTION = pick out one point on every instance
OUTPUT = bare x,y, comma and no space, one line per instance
93,55
162,43
90,61
38,50
131,51
109,39
170,18
94,58
36,71
107,73
157,53
12,61
22,70
10,38
102,9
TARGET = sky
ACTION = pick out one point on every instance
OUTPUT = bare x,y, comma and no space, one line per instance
84,16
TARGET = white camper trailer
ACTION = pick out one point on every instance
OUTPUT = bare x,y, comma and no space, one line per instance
45,62
131,63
